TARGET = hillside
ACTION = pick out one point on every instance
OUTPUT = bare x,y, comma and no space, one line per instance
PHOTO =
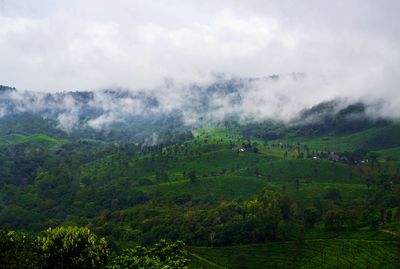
318,253
225,195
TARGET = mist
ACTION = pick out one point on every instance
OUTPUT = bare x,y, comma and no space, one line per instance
276,97
170,52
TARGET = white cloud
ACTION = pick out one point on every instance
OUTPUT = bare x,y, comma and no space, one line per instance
346,48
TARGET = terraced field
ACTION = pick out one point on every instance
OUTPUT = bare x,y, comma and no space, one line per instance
317,253
208,189
235,187
41,140
305,170
393,153
373,138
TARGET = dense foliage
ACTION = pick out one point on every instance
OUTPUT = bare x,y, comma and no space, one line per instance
75,247
136,192
323,119
216,187
161,255
72,247
19,250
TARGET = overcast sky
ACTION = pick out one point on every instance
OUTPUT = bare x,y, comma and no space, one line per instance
346,47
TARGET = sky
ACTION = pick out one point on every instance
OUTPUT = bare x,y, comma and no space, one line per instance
346,48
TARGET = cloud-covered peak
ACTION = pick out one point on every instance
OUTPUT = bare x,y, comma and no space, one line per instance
347,49
94,44
279,97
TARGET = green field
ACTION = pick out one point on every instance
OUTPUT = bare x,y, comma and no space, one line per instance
41,140
373,138
141,195
393,153
316,253
306,170
236,187
209,189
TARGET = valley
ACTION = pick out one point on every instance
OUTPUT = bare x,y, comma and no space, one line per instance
204,190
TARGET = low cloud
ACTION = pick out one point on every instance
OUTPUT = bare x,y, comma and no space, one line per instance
346,49
279,97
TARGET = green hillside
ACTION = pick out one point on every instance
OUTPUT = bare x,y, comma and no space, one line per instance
304,170
41,140
242,187
393,153
261,204
371,139
318,253
11,138
211,188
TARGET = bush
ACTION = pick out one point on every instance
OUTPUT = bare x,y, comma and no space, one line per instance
18,251
73,247
161,255
333,220
79,248
310,216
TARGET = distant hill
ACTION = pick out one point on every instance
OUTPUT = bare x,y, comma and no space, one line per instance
6,88
331,118
122,115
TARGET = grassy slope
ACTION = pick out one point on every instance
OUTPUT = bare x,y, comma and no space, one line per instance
244,175
315,178
222,187
226,174
43,140
393,153
321,249
374,138
209,156
235,187
12,139
307,170
37,139
313,253
342,143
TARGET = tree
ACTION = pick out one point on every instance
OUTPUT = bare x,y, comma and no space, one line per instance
73,247
333,220
192,176
371,217
333,194
285,230
310,216
268,211
162,176
19,250
161,255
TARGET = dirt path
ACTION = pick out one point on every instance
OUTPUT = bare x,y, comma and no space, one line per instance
206,261
389,232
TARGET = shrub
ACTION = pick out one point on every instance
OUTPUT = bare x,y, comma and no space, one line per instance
73,247
18,251
161,255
